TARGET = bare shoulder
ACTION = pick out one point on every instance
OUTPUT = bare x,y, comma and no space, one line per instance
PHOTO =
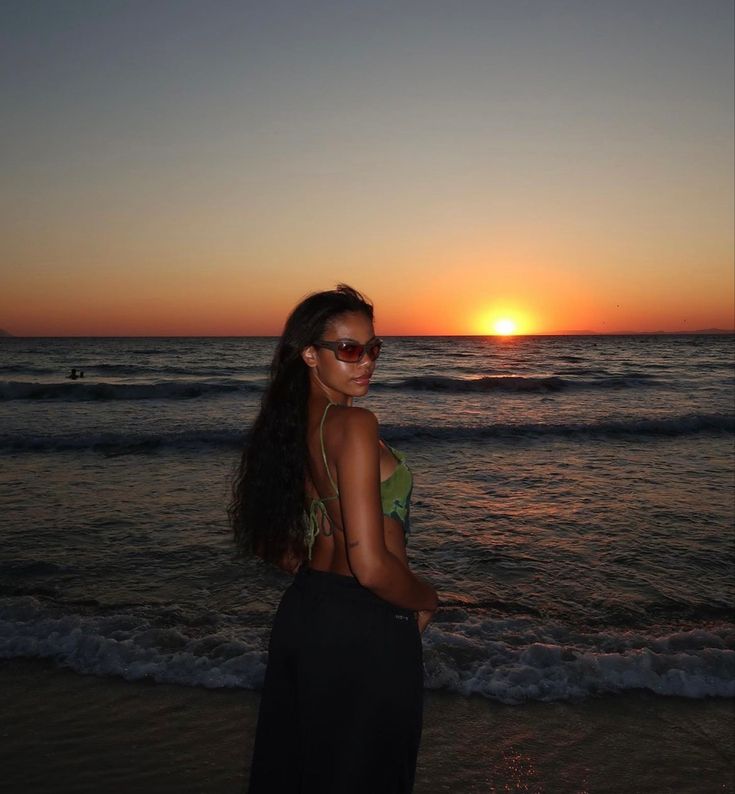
358,424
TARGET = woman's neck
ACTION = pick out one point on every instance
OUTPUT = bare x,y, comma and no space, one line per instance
319,390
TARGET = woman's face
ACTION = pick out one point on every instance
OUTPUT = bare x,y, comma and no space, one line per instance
350,379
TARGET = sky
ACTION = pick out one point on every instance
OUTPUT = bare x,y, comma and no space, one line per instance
172,167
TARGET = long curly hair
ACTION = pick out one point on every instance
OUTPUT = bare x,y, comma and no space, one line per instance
269,489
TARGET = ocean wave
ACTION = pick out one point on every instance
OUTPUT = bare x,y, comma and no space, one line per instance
9,370
682,425
512,660
94,370
111,443
518,660
91,370
89,391
133,645
517,383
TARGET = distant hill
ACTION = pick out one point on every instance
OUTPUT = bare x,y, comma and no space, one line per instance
638,333
4,332
662,333
575,333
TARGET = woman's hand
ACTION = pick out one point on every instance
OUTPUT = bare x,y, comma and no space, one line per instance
424,616
290,562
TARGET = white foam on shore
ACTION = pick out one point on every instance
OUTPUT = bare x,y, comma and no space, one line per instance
127,645
510,660
517,660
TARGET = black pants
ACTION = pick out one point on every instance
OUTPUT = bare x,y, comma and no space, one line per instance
342,703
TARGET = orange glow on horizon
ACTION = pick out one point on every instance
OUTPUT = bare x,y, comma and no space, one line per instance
220,305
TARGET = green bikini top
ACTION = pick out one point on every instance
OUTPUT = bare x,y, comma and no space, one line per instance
395,494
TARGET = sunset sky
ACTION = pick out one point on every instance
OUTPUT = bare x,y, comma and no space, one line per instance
179,167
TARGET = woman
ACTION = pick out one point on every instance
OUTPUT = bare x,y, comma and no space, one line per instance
321,496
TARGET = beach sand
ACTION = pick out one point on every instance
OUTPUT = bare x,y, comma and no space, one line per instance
64,732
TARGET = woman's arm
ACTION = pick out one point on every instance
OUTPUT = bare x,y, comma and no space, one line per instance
358,476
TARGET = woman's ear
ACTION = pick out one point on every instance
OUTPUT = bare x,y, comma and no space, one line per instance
308,354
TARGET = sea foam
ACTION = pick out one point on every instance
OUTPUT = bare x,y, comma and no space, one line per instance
511,660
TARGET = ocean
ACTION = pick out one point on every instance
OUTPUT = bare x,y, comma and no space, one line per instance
574,503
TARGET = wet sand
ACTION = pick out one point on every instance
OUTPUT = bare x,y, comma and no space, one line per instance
63,732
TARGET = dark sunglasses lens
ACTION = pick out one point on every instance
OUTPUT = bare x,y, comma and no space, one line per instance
346,351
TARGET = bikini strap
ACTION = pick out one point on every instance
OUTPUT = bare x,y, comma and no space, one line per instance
324,454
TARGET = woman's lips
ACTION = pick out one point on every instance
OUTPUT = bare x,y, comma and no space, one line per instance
362,381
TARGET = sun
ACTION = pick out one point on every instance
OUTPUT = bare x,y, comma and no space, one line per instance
504,327
503,320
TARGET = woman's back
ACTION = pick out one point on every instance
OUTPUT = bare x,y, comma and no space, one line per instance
325,433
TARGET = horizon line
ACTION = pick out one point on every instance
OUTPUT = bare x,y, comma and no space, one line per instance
712,331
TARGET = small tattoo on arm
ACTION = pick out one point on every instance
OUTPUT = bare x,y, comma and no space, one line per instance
353,543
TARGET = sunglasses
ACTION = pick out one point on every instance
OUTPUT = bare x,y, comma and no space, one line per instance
352,352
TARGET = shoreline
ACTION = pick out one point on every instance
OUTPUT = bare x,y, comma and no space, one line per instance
68,732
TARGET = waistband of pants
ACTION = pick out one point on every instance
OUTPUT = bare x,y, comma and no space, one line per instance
342,586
